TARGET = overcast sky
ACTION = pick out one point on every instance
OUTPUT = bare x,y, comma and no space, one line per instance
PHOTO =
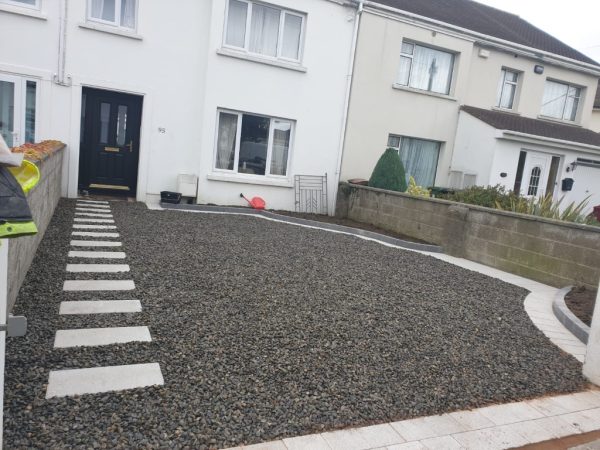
575,22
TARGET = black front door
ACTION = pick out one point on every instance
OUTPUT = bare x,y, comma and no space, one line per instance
110,140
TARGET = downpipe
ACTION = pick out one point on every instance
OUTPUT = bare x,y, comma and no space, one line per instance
60,77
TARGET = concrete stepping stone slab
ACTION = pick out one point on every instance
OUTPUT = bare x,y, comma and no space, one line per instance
92,205
94,234
100,307
93,215
92,210
92,337
98,285
100,202
78,226
79,219
97,268
62,383
105,255
96,244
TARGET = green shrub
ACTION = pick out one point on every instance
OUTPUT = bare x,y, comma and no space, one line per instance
389,172
418,191
488,196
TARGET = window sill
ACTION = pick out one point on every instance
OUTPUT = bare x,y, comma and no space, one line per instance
507,111
419,91
257,179
258,59
561,121
110,30
22,11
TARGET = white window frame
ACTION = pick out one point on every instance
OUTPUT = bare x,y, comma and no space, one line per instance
37,5
579,98
238,138
117,21
283,14
410,73
505,71
20,102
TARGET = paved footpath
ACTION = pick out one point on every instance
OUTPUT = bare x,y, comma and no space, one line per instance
93,219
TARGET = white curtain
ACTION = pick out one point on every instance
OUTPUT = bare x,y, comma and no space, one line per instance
281,147
264,31
555,95
128,13
7,111
292,31
431,70
103,9
226,141
420,160
236,23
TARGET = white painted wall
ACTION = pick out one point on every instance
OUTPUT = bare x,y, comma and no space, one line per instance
314,100
377,110
595,120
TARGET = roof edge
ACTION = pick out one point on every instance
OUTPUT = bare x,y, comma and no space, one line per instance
492,41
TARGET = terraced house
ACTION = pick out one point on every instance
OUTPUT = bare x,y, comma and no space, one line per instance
283,99
471,95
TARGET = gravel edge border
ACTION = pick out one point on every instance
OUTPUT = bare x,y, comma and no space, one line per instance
567,318
297,221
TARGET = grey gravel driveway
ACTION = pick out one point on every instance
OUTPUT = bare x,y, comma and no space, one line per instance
265,330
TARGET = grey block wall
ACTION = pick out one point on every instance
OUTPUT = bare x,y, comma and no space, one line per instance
549,251
42,201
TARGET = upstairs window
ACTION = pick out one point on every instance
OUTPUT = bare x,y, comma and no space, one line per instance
507,89
118,13
32,4
264,30
425,68
561,101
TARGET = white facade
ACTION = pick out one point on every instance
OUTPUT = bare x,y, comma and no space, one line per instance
175,59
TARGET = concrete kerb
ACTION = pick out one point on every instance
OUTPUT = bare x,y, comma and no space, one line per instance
310,223
567,318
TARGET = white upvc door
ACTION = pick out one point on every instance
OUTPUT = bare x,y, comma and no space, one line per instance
11,110
535,174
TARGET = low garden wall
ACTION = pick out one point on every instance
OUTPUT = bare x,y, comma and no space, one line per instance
42,200
549,251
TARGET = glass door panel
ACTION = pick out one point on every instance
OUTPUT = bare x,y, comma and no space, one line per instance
10,110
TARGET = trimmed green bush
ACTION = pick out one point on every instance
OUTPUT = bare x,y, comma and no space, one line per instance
389,172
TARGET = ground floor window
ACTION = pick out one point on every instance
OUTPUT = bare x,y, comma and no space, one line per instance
253,144
18,104
419,156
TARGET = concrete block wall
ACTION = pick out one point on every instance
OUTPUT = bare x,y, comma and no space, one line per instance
549,251
42,201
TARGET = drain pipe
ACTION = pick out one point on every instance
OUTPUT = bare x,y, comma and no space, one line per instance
59,77
336,179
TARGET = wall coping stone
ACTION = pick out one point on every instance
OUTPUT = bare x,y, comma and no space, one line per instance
498,212
567,318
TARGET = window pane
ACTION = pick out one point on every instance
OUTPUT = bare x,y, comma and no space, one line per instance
431,70
104,122
128,13
7,111
420,160
281,145
407,48
253,144
534,181
236,23
264,32
404,75
292,31
103,9
27,2
555,95
508,96
512,76
121,125
394,141
571,108
226,140
30,99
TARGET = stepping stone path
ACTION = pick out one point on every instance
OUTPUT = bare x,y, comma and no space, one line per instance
92,380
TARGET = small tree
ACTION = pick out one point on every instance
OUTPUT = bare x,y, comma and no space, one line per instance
389,172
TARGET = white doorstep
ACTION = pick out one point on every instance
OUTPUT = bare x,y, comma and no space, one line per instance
77,219
97,268
63,383
94,234
95,244
106,255
91,337
100,307
94,227
98,285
